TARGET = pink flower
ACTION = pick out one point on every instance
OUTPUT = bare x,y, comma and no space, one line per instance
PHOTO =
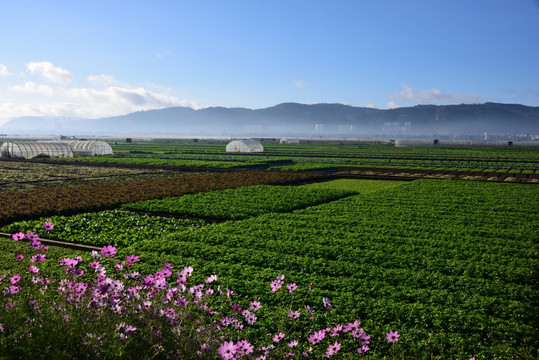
291,287
48,225
255,305
130,329
187,271
352,326
108,251
18,236
45,248
244,347
316,337
363,349
15,279
14,289
278,337
333,349
293,314
132,259
37,258
31,236
293,343
227,350
94,264
19,257
33,270
392,336
327,303
211,279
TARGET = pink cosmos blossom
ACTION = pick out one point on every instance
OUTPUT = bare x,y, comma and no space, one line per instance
211,279
352,326
48,225
392,336
327,303
130,329
187,271
15,279
18,236
333,349
94,264
289,354
14,289
335,331
35,244
31,236
293,314
37,258
77,272
316,337
293,343
227,350
132,259
275,285
33,270
255,305
291,287
19,257
44,248
363,349
243,347
278,337
108,251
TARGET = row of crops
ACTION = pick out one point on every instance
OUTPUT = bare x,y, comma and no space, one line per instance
452,264
18,205
272,159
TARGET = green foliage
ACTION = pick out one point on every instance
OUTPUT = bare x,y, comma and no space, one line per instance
359,186
110,227
240,203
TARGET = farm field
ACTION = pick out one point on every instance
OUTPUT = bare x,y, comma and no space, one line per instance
453,265
493,164
18,175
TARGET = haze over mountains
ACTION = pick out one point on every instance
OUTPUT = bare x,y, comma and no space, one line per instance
293,119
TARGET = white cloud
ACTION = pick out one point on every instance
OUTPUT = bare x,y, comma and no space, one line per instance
370,106
392,105
432,96
299,83
3,71
104,96
103,80
50,72
31,87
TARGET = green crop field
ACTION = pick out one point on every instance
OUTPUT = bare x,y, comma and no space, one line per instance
453,265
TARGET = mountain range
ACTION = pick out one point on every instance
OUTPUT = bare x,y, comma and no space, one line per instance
293,119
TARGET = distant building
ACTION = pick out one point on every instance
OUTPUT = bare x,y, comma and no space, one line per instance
30,150
288,141
54,149
244,146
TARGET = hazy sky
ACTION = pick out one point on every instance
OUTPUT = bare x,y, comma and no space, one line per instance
99,58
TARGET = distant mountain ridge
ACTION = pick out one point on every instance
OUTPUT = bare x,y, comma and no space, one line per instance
294,119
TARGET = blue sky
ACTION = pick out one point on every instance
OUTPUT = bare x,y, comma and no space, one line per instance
100,58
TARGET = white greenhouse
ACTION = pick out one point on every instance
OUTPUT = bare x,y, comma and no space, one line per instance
30,150
89,148
244,146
